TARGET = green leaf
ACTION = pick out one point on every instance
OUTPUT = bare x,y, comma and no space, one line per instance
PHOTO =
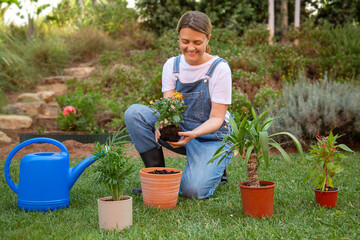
177,118
227,151
248,153
234,125
236,151
296,142
264,143
157,125
344,147
281,150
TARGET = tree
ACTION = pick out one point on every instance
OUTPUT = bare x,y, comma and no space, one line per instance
271,21
284,19
159,15
337,12
6,7
297,19
236,15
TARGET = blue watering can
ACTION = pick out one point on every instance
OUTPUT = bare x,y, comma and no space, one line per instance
45,178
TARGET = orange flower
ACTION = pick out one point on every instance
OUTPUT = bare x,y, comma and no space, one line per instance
177,95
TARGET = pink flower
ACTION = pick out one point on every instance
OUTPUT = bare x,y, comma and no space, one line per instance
318,137
324,146
69,109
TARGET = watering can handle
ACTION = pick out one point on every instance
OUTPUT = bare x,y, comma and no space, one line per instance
58,144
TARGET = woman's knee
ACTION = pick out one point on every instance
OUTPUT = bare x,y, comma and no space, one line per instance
197,191
132,112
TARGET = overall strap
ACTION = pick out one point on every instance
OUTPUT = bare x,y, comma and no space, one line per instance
213,66
176,68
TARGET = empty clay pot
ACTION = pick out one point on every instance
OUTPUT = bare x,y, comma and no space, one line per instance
115,214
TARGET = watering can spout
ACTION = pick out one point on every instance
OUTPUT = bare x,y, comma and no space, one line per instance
75,172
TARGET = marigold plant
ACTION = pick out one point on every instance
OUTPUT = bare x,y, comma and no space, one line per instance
170,110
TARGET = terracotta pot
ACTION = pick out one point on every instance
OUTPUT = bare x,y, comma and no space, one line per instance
160,190
326,199
258,201
115,215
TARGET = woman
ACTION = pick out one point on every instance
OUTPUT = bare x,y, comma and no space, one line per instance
205,82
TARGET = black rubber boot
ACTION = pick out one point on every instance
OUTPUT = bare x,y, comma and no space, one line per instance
151,158
224,178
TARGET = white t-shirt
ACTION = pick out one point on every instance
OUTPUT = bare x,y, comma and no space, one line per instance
220,84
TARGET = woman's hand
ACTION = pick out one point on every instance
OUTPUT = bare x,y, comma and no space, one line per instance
186,137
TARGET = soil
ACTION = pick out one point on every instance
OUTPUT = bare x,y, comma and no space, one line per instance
329,189
164,171
170,133
261,184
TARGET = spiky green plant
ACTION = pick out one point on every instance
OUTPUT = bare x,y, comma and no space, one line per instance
252,141
112,168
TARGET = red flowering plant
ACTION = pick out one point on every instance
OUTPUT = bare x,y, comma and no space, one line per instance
170,115
326,158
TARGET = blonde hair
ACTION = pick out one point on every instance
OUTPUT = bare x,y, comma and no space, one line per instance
197,21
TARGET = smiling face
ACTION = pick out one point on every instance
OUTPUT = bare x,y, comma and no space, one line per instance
193,45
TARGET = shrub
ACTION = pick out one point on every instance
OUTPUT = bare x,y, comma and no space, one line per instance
87,106
16,69
48,54
311,109
241,105
86,43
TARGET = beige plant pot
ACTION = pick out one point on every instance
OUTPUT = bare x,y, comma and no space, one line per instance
115,215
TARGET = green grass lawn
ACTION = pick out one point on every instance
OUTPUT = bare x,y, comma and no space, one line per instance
296,215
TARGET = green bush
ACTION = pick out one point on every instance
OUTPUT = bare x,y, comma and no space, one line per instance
112,17
87,43
310,109
328,49
87,107
49,54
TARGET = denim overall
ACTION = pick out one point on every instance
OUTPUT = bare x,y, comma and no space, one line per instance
199,179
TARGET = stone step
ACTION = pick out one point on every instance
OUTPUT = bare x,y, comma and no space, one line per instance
26,108
80,72
15,122
4,138
59,89
46,96
45,122
56,79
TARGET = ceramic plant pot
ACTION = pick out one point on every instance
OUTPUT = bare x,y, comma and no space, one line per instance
258,201
115,215
326,199
160,190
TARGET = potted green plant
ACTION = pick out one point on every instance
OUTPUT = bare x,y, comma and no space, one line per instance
252,140
112,170
170,116
325,156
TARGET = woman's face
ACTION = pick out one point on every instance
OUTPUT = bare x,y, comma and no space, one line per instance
193,45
